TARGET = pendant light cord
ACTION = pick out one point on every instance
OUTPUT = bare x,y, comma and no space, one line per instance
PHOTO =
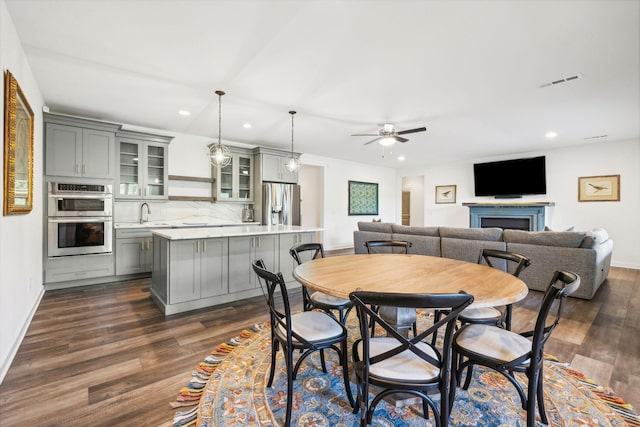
220,93
292,113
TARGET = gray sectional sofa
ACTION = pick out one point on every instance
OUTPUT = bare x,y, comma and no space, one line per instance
587,253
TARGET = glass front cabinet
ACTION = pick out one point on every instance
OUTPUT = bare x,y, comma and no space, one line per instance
234,182
142,165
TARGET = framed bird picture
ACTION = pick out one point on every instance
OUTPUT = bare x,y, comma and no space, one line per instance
604,188
445,194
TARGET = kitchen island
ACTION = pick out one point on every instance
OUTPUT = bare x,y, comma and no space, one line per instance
201,267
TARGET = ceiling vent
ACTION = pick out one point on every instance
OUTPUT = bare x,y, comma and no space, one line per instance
560,81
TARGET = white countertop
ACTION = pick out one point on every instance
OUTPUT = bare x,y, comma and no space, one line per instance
182,224
214,232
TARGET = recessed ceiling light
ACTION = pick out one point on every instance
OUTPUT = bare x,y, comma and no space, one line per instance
550,134
247,125
184,113
401,158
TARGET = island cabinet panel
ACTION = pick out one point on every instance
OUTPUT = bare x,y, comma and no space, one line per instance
184,271
287,263
214,267
243,251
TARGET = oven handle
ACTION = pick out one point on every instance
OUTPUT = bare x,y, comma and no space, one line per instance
81,219
82,196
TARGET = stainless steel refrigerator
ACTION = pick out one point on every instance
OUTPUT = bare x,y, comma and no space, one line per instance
280,204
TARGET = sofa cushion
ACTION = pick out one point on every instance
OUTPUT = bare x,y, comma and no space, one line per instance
421,245
378,227
420,231
594,238
567,239
490,234
467,249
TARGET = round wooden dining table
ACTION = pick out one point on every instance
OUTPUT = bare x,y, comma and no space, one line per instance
341,275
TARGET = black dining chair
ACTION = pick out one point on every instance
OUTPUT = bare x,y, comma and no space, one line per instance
396,364
319,300
507,352
508,261
388,246
307,331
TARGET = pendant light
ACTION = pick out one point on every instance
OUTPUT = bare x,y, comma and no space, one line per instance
219,154
293,163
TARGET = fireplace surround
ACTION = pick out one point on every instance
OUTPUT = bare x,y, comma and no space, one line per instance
528,216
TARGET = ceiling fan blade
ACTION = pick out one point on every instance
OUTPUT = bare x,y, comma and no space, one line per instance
364,134
373,140
400,139
402,132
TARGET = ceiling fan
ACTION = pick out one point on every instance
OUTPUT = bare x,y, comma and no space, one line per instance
388,135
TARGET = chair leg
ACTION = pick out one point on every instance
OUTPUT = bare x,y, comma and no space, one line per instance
322,361
541,410
467,380
272,369
532,391
345,373
289,363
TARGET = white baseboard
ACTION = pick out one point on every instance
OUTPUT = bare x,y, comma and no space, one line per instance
632,265
6,364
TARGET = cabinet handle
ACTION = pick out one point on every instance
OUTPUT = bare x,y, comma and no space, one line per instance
204,246
77,168
84,169
197,246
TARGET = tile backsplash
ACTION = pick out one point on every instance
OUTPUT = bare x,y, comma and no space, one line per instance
129,211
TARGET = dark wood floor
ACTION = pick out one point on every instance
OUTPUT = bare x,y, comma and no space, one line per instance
105,355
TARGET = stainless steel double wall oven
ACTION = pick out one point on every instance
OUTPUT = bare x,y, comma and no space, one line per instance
80,219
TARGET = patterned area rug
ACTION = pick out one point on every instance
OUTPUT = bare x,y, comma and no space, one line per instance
229,389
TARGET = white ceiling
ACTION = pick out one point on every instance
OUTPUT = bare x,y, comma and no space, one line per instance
470,71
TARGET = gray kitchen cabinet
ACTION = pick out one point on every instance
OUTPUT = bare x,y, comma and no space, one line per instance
73,151
142,165
270,164
134,251
287,263
234,182
60,270
243,251
198,269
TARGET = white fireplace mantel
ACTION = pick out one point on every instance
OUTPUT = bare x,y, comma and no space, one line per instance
518,215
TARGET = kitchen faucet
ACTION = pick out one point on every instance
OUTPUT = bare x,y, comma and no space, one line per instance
142,221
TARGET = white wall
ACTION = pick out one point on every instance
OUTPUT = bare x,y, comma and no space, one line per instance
338,225
20,235
564,166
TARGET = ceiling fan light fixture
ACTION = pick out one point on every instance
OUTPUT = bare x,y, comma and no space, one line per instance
292,164
388,141
219,155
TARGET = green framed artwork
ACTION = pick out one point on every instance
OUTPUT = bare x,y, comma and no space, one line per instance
363,198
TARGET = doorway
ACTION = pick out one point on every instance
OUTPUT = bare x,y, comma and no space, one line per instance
406,208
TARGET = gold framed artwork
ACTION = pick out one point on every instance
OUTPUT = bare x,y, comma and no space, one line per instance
18,149
604,188
445,194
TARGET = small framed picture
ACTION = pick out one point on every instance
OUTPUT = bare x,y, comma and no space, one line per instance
445,194
604,188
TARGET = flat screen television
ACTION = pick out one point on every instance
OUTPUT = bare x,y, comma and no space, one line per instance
510,178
